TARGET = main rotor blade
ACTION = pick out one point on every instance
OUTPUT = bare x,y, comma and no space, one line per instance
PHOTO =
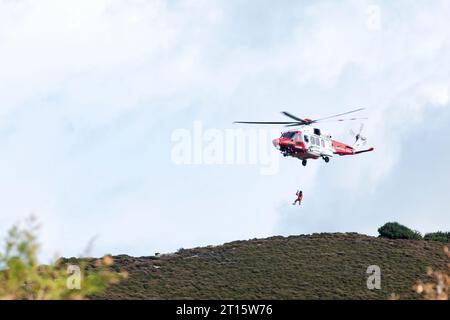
338,115
287,114
350,119
347,119
295,124
264,122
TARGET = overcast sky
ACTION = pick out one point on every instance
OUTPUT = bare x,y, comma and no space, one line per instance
91,93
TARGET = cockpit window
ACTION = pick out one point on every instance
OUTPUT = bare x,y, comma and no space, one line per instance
289,135
306,138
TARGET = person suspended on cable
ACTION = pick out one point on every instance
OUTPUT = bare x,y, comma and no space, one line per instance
299,199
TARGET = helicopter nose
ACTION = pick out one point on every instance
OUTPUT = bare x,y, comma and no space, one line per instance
276,143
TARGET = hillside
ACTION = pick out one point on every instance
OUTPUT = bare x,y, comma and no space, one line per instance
318,266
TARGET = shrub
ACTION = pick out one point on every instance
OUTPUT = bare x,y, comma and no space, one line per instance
439,286
438,236
23,278
394,230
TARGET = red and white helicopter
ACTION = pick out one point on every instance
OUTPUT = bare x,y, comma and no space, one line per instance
313,143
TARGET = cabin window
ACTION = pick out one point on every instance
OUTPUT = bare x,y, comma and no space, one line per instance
317,131
289,135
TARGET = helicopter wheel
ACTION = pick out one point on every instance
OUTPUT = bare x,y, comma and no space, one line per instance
326,159
304,162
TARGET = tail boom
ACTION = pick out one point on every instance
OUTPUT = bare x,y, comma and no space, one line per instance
343,149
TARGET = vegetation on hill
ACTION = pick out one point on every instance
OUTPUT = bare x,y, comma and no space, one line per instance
23,278
394,230
438,288
318,266
438,236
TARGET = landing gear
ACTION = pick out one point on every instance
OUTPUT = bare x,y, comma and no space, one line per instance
304,162
326,159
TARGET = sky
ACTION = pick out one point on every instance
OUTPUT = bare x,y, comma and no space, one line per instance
93,94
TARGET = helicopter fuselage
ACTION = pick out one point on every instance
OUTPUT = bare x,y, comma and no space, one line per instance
311,143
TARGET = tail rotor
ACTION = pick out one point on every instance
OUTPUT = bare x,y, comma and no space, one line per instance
360,140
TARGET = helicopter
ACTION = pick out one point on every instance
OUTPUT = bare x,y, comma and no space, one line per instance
313,143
